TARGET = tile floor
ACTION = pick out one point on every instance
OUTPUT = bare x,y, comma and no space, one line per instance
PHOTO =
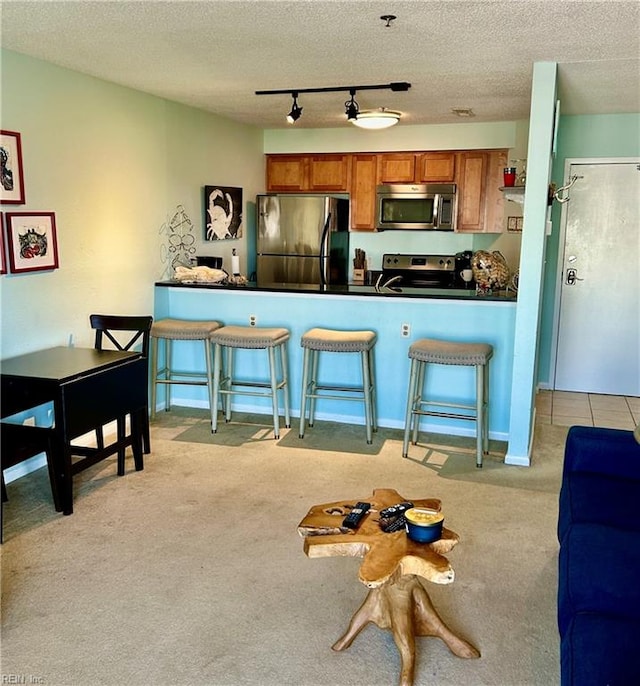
587,409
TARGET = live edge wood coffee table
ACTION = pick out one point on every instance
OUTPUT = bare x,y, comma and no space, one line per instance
393,568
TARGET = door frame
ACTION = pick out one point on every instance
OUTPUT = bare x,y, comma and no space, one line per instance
553,359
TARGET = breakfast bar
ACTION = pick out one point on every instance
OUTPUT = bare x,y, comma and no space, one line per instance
398,318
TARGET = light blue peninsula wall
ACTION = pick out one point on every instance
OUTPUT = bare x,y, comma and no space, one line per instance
476,320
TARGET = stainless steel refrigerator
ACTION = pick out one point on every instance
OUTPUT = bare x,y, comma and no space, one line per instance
302,240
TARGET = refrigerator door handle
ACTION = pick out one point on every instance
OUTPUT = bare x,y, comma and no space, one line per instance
323,246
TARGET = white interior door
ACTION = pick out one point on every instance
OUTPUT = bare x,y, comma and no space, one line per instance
598,347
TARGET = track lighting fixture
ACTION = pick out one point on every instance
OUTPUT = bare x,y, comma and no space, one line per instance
296,111
374,119
351,107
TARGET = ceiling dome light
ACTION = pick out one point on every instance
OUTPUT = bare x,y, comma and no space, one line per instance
376,119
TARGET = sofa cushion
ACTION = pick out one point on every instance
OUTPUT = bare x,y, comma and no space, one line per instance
587,497
598,650
600,479
598,572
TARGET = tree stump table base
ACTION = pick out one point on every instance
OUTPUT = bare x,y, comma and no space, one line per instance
406,609
393,568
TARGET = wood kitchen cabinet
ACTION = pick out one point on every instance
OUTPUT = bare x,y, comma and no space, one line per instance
362,192
435,167
312,173
478,174
396,167
480,202
287,173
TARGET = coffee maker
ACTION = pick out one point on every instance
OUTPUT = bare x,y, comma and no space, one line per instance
462,262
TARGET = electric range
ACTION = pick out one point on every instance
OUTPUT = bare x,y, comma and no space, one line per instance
418,271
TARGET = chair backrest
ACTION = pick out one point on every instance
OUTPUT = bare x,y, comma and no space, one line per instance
122,331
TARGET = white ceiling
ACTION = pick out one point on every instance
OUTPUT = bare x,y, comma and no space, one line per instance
215,54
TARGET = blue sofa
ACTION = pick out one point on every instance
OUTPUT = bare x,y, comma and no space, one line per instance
599,560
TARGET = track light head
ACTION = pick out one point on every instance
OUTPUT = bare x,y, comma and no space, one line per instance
296,111
351,107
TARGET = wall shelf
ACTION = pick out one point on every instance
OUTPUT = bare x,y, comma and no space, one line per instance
513,193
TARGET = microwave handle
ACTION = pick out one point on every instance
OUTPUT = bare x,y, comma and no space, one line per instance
437,203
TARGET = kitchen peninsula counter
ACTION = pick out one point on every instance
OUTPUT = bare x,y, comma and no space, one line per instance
355,289
449,314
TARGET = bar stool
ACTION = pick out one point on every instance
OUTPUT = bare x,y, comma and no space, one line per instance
229,338
169,330
319,340
425,351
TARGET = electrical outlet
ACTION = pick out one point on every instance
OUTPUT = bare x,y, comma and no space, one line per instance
252,320
405,330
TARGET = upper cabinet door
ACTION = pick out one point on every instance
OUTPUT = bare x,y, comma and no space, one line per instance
363,192
397,167
472,174
287,173
436,167
329,172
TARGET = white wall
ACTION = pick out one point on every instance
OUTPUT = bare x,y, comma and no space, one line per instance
113,164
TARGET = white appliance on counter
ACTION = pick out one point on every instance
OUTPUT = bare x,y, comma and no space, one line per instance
302,240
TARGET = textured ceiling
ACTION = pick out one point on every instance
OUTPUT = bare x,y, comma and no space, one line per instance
215,54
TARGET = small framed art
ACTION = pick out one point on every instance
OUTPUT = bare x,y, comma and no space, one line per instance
3,264
32,241
11,174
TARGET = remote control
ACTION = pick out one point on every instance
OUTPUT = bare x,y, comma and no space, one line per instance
396,524
396,509
353,519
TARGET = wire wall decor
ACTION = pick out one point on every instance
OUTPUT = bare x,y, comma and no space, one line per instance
179,248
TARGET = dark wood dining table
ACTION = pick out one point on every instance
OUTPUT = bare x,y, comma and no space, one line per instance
88,388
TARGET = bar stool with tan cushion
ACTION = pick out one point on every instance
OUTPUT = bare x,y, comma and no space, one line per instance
226,384
432,351
169,330
320,340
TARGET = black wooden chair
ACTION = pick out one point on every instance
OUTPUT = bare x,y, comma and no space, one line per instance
19,442
124,332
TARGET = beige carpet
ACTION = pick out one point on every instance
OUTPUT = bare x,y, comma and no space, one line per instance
192,572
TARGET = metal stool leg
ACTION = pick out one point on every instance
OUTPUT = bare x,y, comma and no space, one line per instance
486,410
480,422
274,391
315,355
421,373
154,375
168,350
411,395
217,356
207,355
227,380
284,365
305,389
366,392
372,377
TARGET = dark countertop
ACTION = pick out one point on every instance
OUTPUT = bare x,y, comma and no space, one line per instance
353,289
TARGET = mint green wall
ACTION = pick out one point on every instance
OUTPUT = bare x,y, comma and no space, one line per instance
113,164
584,136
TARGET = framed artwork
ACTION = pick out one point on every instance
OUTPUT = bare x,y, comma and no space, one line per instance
3,264
222,212
11,174
32,241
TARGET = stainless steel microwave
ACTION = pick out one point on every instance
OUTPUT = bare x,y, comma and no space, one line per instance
417,207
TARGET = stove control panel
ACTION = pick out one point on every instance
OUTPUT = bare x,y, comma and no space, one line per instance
418,262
